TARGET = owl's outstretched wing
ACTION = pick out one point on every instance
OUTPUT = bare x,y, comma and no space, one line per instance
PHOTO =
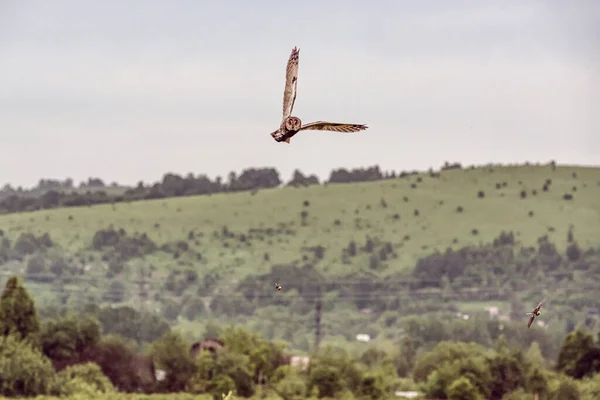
530,321
333,126
541,304
291,81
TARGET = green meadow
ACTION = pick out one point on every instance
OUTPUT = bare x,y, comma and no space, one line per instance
417,214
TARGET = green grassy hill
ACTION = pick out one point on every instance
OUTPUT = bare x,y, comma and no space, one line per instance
381,228
336,214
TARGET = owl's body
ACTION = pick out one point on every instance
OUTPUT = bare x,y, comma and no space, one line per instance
291,125
288,128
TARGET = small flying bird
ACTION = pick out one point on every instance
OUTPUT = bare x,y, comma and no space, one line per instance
277,286
291,125
535,313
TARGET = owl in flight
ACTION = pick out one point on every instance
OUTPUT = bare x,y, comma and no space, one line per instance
291,125
535,313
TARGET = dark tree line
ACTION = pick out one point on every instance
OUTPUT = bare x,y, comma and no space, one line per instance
54,193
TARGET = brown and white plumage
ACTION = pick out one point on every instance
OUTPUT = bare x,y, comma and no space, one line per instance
536,312
291,83
291,125
333,126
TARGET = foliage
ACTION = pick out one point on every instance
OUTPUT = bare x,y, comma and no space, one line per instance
118,360
579,355
24,371
247,364
65,339
263,357
444,353
172,354
462,389
289,383
589,388
86,378
129,323
18,314
461,370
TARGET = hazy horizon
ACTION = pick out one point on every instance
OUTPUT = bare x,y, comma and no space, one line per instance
128,92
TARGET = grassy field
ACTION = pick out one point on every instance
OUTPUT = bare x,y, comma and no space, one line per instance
128,396
124,396
337,214
173,396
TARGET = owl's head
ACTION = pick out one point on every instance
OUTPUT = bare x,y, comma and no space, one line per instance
292,124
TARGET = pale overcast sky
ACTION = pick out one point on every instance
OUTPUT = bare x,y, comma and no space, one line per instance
129,90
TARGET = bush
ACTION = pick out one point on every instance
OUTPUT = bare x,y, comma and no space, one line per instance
172,354
291,388
462,389
128,371
573,252
64,339
86,379
589,388
24,371
288,383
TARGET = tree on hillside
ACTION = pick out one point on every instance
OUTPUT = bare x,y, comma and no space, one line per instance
18,314
299,179
579,357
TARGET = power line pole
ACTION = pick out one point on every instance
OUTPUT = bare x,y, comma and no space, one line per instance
142,289
318,307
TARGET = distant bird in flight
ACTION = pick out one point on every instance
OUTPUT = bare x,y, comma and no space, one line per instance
535,313
277,286
291,125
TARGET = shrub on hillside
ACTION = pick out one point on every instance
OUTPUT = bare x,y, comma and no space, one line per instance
36,270
28,243
118,245
130,323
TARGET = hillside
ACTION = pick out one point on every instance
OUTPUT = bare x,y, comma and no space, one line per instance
171,250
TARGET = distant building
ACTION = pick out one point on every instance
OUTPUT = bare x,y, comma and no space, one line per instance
363,337
493,311
407,395
160,375
300,362
296,361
